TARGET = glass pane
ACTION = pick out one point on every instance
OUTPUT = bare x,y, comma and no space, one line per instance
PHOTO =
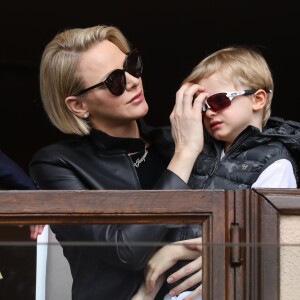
39,270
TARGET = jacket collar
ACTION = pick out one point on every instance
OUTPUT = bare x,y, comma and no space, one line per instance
116,145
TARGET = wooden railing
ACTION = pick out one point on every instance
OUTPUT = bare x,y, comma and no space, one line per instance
233,223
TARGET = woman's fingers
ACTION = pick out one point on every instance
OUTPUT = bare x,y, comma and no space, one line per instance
195,268
186,118
186,97
186,285
194,244
150,280
186,94
196,294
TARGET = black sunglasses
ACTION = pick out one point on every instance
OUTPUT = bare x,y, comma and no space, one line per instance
116,80
222,100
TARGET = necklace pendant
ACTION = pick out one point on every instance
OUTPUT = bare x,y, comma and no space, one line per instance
137,163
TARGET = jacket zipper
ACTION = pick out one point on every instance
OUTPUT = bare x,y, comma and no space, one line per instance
231,149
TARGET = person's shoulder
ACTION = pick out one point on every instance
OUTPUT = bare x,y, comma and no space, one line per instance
5,159
59,149
282,127
269,148
285,131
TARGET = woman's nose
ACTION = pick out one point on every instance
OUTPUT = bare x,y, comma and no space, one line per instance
131,81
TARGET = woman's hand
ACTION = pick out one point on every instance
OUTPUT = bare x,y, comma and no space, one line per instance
192,280
35,230
193,267
187,129
164,259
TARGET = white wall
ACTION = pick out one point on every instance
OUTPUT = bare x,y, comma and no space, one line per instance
290,258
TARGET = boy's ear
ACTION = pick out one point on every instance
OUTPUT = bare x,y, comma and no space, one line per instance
259,100
76,106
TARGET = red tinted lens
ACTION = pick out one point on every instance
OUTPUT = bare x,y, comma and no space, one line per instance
133,64
116,82
218,101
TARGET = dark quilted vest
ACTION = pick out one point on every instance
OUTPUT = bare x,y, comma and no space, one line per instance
251,153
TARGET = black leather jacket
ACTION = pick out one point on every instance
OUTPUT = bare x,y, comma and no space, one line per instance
99,161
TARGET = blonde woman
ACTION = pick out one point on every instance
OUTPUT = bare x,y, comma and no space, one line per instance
91,89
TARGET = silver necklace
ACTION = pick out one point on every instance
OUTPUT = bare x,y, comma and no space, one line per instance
140,160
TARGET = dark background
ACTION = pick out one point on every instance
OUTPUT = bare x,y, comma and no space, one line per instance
172,36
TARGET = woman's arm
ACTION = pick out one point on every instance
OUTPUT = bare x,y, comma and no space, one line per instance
119,240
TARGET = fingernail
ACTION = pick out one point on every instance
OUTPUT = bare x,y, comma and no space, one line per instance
172,293
170,279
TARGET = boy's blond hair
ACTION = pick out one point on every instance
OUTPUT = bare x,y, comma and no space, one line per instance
246,66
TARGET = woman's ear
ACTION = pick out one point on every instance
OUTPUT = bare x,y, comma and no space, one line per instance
259,100
76,106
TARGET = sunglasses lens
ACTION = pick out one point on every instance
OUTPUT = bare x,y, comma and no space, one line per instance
134,64
218,101
116,82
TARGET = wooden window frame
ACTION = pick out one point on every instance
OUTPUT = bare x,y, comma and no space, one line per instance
240,228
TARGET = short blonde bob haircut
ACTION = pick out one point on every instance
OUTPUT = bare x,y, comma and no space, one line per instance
58,72
243,65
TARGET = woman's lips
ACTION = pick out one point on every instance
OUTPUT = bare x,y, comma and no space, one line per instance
137,98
